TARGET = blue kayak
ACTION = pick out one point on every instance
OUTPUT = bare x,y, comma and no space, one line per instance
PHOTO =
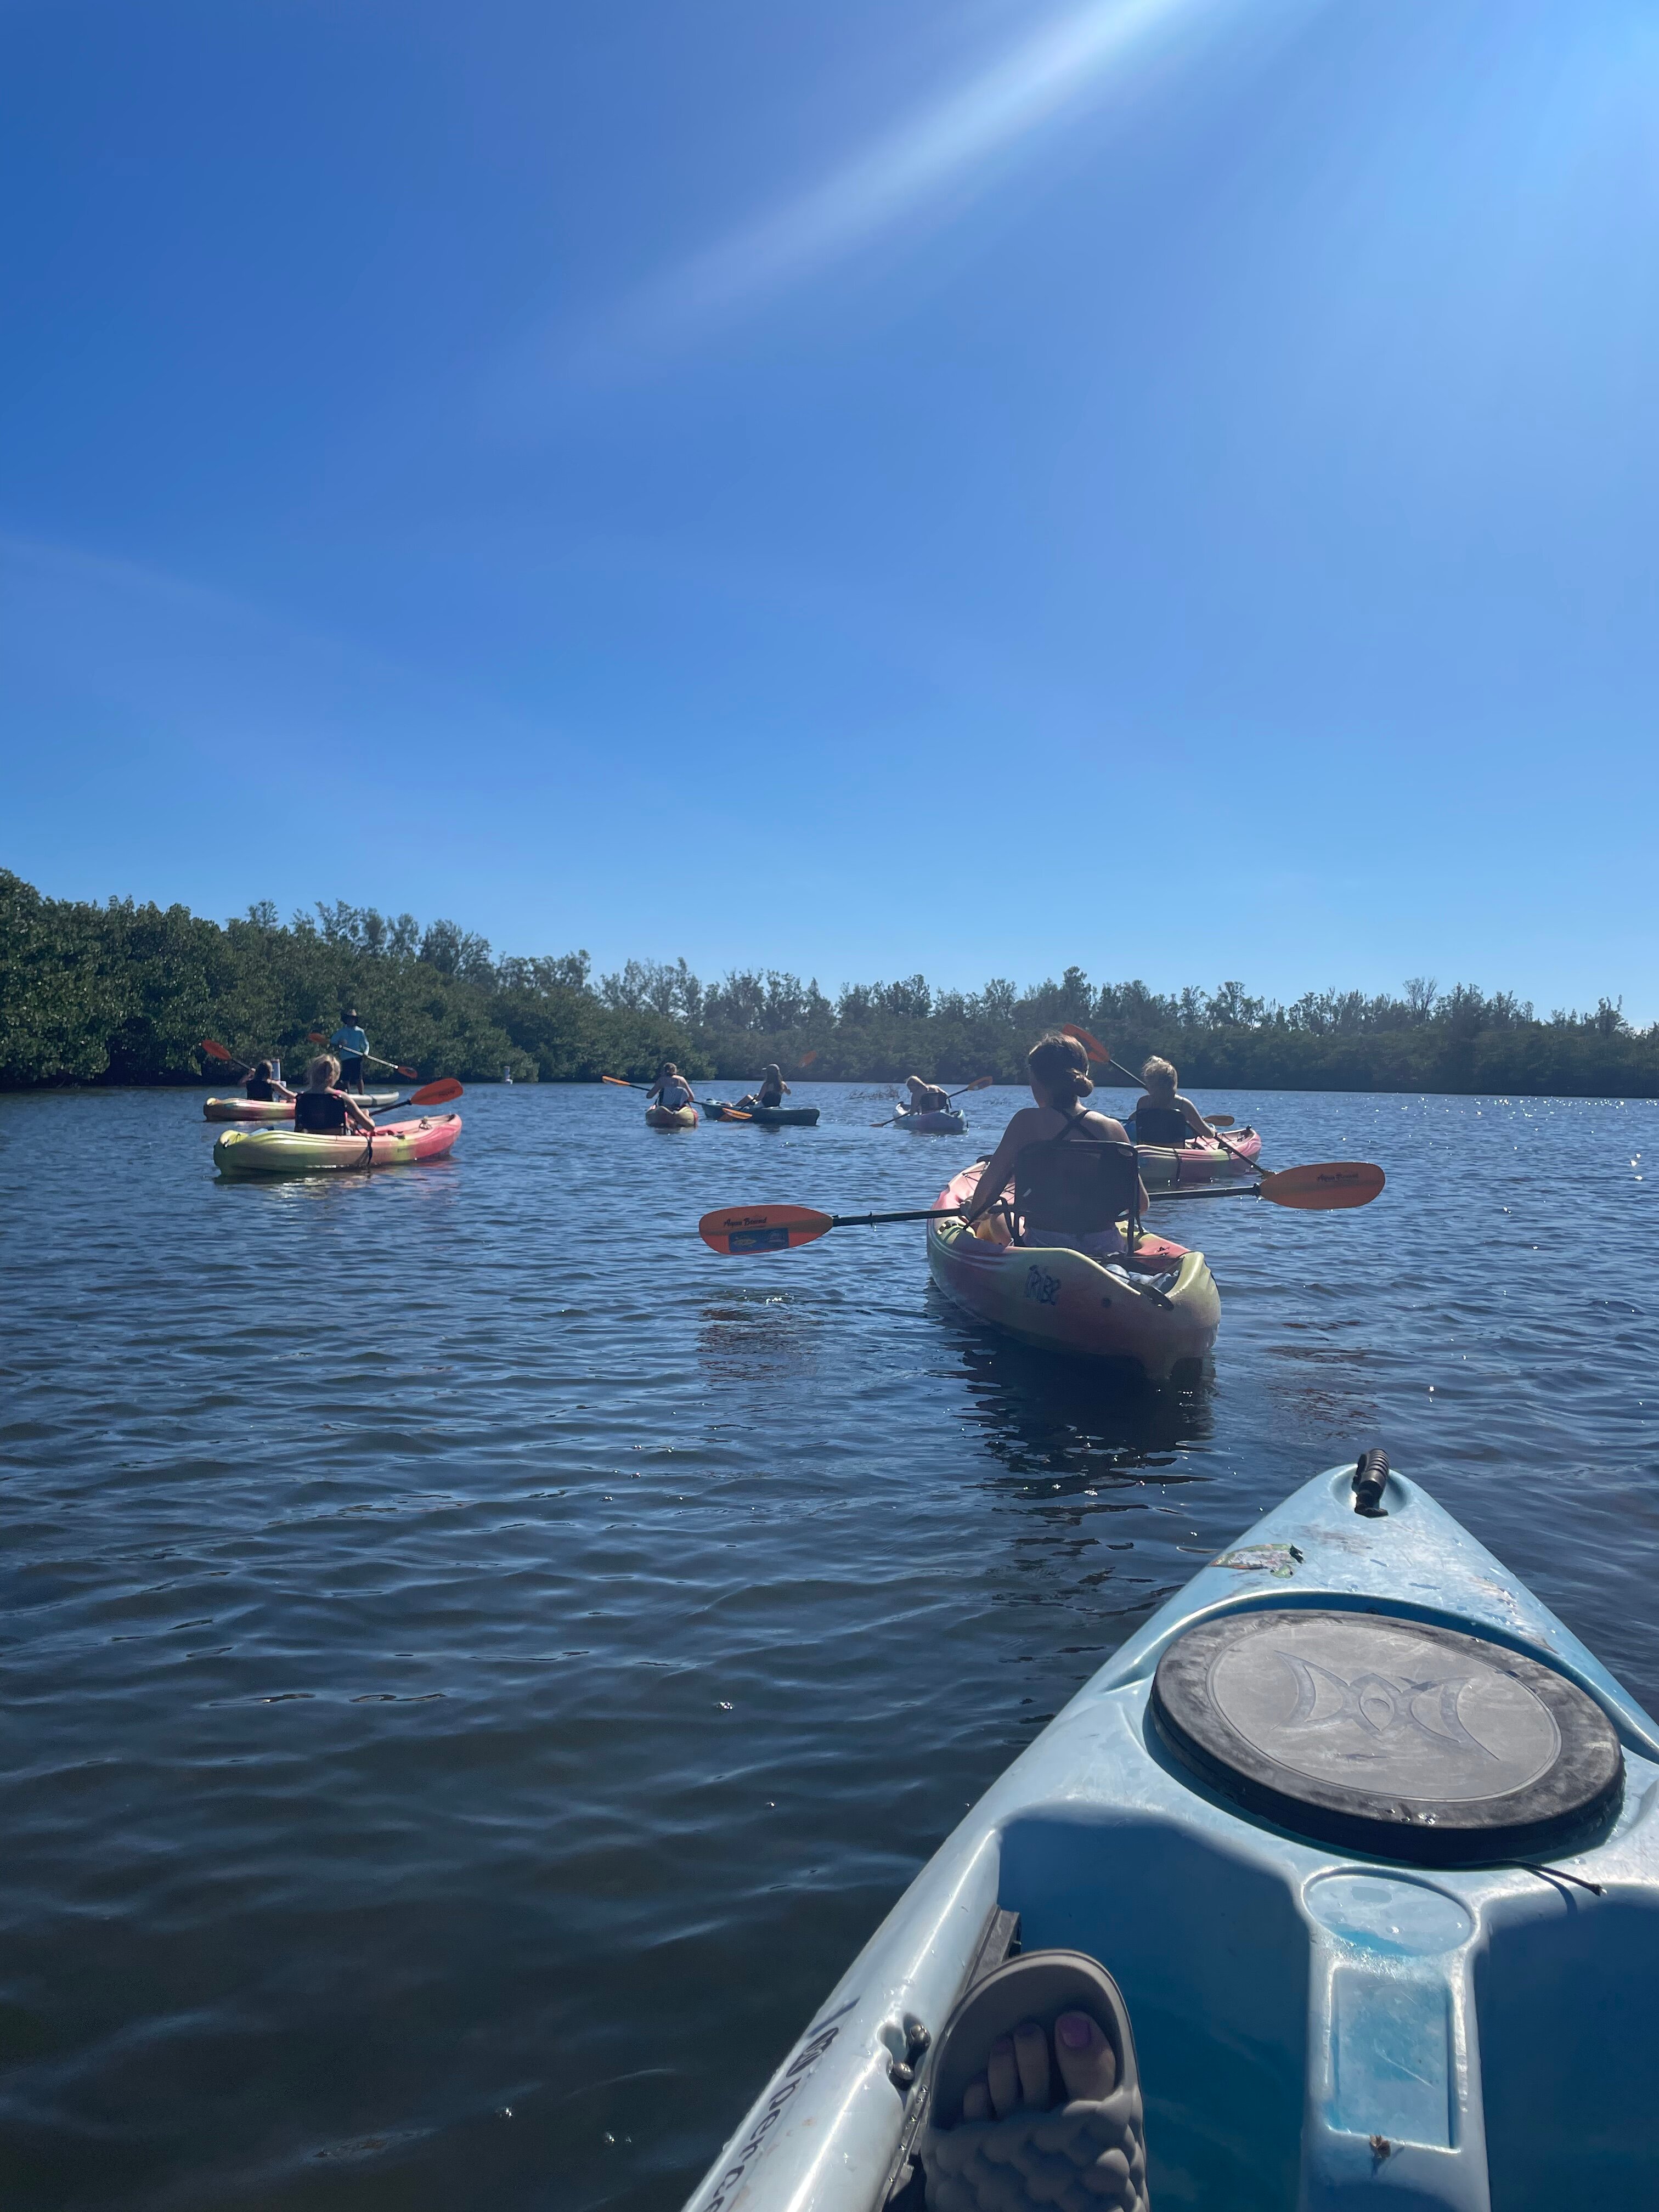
1370,1843
940,1122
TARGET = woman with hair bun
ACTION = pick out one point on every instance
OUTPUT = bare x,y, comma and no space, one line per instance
1057,1068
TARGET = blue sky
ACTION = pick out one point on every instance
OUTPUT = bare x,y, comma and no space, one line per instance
948,484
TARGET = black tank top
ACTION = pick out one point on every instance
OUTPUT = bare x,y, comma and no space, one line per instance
320,1113
1158,1125
256,1087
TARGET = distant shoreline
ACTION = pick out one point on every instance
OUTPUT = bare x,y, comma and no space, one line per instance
122,996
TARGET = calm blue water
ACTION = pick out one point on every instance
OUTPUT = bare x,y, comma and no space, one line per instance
474,1665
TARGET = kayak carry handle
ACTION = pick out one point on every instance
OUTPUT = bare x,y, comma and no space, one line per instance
1370,1479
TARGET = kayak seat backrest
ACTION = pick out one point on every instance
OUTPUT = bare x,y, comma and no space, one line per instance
320,1114
1082,1186
1158,1124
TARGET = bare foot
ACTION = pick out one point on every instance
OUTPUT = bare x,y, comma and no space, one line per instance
1019,2075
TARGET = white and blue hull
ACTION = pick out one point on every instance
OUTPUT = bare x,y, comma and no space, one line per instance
1317,2027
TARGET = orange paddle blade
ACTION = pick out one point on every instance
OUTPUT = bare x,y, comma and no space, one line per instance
983,1082
622,1083
807,1057
1095,1049
1219,1121
439,1093
1322,1189
218,1051
732,1229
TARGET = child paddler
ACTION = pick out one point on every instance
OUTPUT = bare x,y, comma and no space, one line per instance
322,1109
1164,1116
262,1083
925,1097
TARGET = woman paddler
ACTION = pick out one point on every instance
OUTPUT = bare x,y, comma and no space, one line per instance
263,1083
1058,1070
322,1109
1164,1116
671,1088
771,1092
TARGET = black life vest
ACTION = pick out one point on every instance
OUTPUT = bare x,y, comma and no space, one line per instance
320,1113
257,1086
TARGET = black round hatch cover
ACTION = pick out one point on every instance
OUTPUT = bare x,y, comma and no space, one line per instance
1388,1735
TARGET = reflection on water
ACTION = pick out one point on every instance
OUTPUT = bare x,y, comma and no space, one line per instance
478,1664
1067,1422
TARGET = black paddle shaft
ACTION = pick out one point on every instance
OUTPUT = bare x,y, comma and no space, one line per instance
870,1220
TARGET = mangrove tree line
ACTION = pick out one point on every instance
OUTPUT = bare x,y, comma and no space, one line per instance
122,992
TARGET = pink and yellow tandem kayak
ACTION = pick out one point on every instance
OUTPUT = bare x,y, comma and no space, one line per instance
1162,1312
1172,1167
289,1151
279,1109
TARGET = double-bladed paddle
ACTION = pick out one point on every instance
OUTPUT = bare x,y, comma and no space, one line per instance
979,1083
1098,1052
409,1074
1332,1186
729,1114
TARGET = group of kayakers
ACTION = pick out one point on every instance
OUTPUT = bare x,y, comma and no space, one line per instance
326,1107
671,1090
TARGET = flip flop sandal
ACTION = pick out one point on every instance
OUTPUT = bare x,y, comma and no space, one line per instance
1085,2156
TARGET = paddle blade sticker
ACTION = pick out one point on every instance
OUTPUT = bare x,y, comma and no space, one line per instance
738,1229
1323,1189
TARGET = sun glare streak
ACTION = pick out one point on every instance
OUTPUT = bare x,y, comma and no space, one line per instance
938,149
927,153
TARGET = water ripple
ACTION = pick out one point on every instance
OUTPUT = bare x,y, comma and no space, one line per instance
475,1665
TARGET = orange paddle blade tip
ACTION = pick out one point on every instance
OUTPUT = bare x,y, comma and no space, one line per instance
807,1057
984,1083
438,1093
1324,1188
1092,1046
214,1051
735,1229
620,1082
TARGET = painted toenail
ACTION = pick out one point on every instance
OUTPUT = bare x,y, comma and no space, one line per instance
1074,2032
